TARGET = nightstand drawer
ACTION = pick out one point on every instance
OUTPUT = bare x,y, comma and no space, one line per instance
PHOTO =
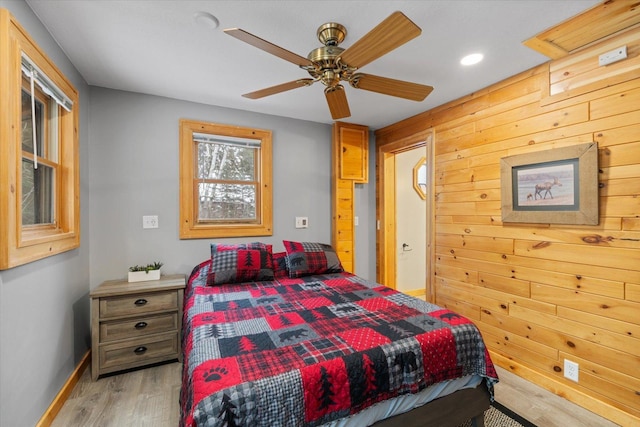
131,305
131,353
138,327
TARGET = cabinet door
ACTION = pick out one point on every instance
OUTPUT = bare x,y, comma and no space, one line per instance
350,154
353,151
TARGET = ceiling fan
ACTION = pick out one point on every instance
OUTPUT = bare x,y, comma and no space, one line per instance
332,64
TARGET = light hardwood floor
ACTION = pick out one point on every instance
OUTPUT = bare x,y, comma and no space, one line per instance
149,397
542,407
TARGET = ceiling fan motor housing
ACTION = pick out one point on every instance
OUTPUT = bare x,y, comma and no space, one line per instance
331,33
326,69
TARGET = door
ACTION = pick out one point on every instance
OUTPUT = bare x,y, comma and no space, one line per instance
389,246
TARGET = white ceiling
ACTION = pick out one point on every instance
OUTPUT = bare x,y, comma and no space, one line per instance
156,47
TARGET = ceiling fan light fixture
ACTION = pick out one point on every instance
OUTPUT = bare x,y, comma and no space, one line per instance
472,59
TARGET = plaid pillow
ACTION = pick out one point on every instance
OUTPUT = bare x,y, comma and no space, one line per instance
307,258
244,262
280,265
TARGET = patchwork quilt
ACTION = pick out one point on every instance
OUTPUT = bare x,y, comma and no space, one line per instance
309,350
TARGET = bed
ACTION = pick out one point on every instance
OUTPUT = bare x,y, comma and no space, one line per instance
290,339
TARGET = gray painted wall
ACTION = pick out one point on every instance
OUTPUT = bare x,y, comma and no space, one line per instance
134,172
365,207
129,168
44,305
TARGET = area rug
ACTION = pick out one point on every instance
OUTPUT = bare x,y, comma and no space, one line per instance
500,416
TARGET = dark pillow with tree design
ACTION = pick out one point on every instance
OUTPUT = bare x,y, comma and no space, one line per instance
280,265
308,258
244,262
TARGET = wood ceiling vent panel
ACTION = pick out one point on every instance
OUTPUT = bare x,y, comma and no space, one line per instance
597,23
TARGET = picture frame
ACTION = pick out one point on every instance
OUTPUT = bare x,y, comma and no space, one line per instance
558,186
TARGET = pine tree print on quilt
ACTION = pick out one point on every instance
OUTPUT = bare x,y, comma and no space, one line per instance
325,397
227,416
244,262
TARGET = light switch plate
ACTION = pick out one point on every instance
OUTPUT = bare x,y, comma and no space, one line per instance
302,222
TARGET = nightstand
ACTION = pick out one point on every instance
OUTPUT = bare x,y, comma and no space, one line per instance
135,324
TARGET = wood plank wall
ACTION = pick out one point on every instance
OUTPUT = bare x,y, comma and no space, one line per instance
541,293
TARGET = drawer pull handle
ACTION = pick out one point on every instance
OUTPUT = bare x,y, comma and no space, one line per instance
140,302
140,350
141,325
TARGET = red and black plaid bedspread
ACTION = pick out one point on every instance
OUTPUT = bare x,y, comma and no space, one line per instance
302,352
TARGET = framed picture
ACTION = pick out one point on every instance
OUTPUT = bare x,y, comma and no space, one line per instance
558,186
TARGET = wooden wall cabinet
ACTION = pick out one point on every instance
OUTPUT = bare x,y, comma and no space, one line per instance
350,165
353,151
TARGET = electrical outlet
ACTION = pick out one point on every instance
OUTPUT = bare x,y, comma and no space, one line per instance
302,222
571,370
150,221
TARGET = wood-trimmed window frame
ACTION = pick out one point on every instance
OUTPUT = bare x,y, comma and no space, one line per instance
23,244
190,227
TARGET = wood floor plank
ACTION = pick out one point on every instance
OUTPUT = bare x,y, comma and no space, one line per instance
542,407
146,397
149,397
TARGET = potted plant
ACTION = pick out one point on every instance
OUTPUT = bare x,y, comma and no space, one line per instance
141,273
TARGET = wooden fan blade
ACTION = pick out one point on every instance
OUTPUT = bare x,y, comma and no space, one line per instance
278,88
391,33
386,86
268,47
337,100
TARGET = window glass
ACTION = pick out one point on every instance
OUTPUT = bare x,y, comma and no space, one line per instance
227,202
37,193
38,167
227,188
27,121
226,161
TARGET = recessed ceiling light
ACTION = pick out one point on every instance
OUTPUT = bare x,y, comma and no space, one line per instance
206,19
472,59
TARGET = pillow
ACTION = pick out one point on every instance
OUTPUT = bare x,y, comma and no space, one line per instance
308,258
280,265
244,262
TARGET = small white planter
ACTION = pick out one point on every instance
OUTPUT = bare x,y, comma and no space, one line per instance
143,276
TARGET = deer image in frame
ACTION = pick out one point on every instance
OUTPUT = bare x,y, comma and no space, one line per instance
546,188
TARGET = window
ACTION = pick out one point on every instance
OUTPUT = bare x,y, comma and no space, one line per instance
420,178
225,181
38,151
